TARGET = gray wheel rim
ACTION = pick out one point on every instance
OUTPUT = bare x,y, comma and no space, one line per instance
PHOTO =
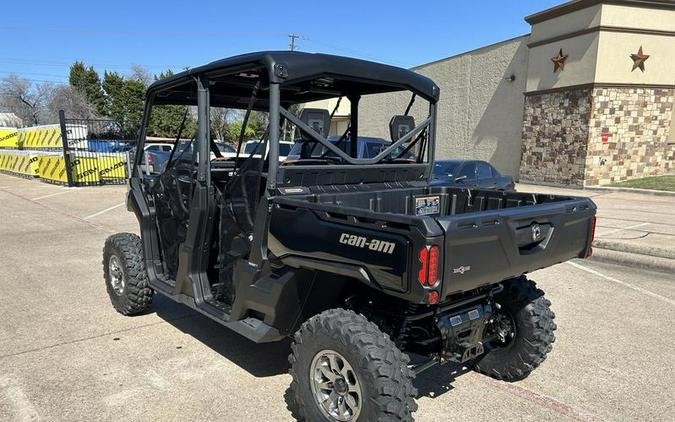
116,275
335,387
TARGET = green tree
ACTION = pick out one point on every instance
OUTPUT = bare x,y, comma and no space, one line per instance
86,81
234,129
124,101
165,120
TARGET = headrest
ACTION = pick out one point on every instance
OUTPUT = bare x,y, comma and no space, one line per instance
316,118
399,126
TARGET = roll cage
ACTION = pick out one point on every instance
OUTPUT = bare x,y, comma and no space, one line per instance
284,79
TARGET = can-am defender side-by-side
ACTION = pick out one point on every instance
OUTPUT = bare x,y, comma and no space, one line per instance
357,259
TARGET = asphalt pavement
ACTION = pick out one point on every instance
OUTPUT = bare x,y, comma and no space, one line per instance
65,354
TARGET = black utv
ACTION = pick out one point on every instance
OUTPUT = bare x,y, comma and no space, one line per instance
359,260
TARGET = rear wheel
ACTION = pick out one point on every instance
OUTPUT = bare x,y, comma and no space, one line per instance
124,273
345,369
523,326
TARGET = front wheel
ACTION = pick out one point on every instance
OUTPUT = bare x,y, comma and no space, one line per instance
125,276
523,326
345,369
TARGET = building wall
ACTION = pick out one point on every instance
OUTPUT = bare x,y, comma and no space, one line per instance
561,25
637,122
580,66
555,133
563,135
633,108
480,112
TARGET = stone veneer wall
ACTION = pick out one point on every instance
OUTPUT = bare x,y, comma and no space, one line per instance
562,135
555,133
637,121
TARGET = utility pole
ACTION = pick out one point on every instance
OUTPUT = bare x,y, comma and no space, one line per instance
293,37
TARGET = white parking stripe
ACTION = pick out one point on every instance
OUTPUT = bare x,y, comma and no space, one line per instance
622,229
623,283
104,211
53,194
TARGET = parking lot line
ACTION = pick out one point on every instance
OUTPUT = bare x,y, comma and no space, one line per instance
635,226
74,217
96,214
53,194
623,283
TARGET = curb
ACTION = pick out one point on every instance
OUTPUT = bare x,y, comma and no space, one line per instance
607,189
654,263
634,249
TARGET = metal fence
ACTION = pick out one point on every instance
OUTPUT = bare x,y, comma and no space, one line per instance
94,151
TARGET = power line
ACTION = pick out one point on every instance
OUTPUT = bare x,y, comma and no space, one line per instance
34,74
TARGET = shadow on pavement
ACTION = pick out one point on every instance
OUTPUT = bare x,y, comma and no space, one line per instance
260,360
269,359
438,380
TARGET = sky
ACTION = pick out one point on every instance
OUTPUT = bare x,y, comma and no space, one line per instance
40,39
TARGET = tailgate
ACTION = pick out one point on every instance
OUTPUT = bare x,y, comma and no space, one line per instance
490,246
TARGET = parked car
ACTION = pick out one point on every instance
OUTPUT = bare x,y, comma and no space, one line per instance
155,156
253,146
226,150
470,173
367,147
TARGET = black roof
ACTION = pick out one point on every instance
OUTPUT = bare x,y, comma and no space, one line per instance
297,73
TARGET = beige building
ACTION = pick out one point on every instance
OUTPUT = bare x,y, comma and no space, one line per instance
585,99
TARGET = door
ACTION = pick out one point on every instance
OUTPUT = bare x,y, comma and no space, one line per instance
171,191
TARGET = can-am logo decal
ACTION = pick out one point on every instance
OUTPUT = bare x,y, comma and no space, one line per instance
363,242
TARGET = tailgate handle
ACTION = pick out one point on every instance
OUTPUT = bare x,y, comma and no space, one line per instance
533,238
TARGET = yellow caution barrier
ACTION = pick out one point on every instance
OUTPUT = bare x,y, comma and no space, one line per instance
39,137
85,169
52,169
23,163
112,167
9,137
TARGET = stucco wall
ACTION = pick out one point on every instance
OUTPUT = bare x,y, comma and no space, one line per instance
603,56
580,64
561,25
615,64
480,112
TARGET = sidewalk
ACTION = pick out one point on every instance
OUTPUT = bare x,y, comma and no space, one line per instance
633,228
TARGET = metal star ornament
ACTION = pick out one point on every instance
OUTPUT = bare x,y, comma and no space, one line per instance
639,60
559,61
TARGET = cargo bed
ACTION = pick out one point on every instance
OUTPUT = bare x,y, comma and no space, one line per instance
487,236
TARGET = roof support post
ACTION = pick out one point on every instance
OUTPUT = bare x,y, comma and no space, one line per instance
203,136
354,125
273,155
431,144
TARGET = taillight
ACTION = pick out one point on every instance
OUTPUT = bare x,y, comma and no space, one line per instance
428,273
433,265
592,238
424,266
